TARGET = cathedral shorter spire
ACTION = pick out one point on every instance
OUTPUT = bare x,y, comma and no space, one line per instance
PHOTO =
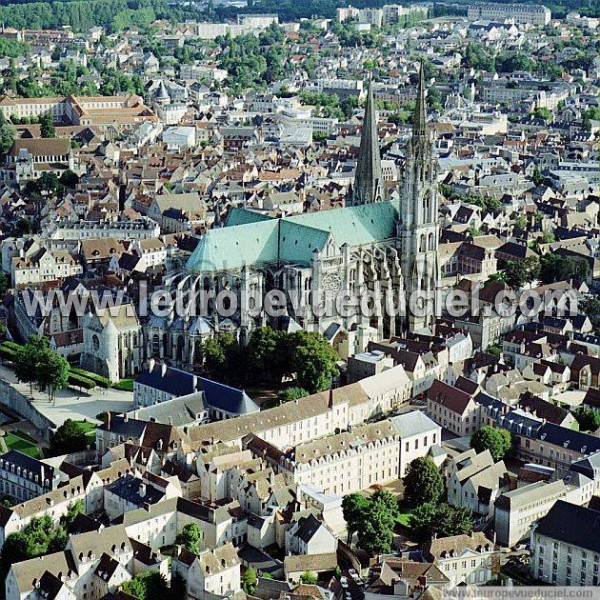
368,180
420,120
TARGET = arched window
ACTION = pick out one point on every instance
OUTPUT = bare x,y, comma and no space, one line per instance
95,343
431,241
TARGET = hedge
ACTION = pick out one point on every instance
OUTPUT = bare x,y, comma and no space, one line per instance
7,353
81,382
12,345
100,381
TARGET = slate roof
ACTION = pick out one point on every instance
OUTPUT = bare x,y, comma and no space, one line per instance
573,525
32,465
182,383
307,527
129,488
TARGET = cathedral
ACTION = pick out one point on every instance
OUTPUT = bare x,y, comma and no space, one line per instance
377,249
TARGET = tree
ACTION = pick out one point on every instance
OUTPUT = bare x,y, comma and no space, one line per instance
7,136
543,113
556,267
22,227
249,580
215,352
28,358
497,441
354,507
190,538
376,530
315,361
423,483
443,520
537,177
39,537
588,418
519,272
69,437
309,577
69,179
547,237
47,127
52,372
290,394
373,519
521,222
147,586
75,509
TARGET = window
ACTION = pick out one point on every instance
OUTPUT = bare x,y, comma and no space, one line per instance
95,343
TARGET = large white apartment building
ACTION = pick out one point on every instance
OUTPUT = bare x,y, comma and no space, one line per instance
525,14
517,510
347,462
566,555
138,229
82,110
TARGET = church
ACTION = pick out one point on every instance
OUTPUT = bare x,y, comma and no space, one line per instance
374,247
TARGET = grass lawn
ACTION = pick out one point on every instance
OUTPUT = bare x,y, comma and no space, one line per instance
16,442
404,519
125,385
90,428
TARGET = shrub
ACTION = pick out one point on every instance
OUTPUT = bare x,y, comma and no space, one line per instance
81,382
100,381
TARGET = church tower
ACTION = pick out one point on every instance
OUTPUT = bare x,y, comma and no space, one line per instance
368,180
418,227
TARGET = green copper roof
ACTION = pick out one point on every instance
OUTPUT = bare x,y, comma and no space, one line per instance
254,240
354,225
229,248
297,242
241,216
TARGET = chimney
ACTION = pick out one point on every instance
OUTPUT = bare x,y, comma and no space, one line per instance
163,369
142,490
126,417
108,420
330,404
42,475
151,364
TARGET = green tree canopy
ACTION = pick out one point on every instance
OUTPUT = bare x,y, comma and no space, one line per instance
519,272
588,418
309,577
70,437
47,126
497,441
373,519
190,538
249,580
423,483
354,507
148,585
443,520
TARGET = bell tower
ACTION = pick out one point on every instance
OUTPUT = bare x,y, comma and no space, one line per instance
368,180
418,228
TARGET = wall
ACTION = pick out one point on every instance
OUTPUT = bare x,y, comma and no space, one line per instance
12,398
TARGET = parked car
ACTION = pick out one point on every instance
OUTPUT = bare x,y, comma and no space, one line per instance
354,575
344,582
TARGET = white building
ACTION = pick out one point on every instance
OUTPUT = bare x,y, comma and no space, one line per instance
464,558
565,546
418,434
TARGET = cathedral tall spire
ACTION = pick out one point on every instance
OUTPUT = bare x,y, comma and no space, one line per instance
368,181
420,119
